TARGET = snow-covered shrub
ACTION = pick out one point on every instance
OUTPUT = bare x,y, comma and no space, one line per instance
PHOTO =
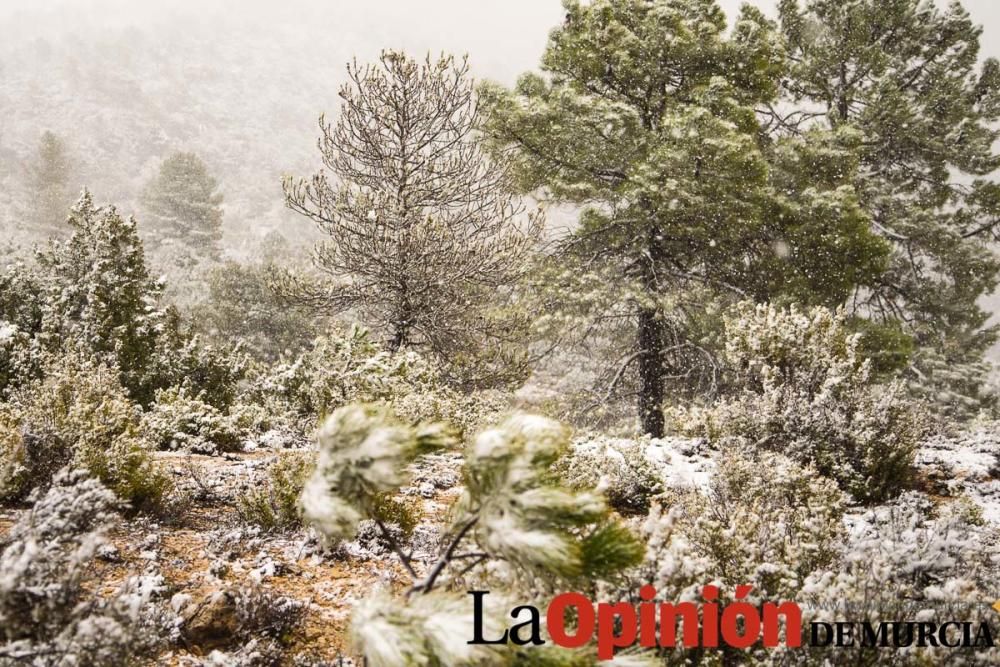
766,521
957,386
351,368
49,611
213,373
273,502
248,627
805,390
20,320
780,527
909,560
618,468
262,613
79,414
179,421
97,289
19,358
469,413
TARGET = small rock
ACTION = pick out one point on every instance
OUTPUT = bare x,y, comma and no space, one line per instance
211,622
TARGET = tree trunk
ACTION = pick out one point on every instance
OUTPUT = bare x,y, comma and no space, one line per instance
398,338
650,337
651,381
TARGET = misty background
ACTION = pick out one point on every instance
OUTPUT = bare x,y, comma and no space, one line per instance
125,84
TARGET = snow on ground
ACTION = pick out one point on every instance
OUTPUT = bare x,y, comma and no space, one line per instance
968,464
951,466
684,462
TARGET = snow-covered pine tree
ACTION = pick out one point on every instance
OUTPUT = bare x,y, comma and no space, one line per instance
645,114
513,514
50,189
904,75
426,237
183,210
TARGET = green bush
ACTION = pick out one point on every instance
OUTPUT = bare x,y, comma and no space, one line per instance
79,414
273,503
178,421
803,388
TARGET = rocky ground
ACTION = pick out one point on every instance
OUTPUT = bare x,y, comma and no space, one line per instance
206,555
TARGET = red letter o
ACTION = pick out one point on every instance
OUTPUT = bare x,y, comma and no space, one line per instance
556,619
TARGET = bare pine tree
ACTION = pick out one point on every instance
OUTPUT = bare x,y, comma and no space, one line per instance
425,233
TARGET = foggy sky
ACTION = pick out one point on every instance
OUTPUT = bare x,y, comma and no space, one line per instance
502,38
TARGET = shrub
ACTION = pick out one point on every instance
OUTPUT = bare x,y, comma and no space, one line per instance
803,389
48,610
350,368
906,560
178,421
212,373
20,321
273,503
766,521
618,468
78,414
782,528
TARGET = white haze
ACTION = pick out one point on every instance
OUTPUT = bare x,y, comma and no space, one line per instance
241,83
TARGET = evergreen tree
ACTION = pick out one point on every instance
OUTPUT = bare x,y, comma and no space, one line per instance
904,76
97,290
647,111
93,293
426,237
49,186
183,208
241,306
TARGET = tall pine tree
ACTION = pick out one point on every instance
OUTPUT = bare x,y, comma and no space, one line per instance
645,114
904,76
184,216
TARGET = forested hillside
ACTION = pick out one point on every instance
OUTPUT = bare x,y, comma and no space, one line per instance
669,350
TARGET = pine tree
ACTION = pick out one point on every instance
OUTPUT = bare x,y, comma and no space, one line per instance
426,237
512,513
50,186
904,76
97,290
184,216
647,110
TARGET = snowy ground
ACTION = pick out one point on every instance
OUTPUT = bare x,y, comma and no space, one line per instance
205,550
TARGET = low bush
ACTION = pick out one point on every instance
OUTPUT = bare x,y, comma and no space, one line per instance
787,531
802,388
273,502
765,521
49,612
618,468
351,368
179,421
80,415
